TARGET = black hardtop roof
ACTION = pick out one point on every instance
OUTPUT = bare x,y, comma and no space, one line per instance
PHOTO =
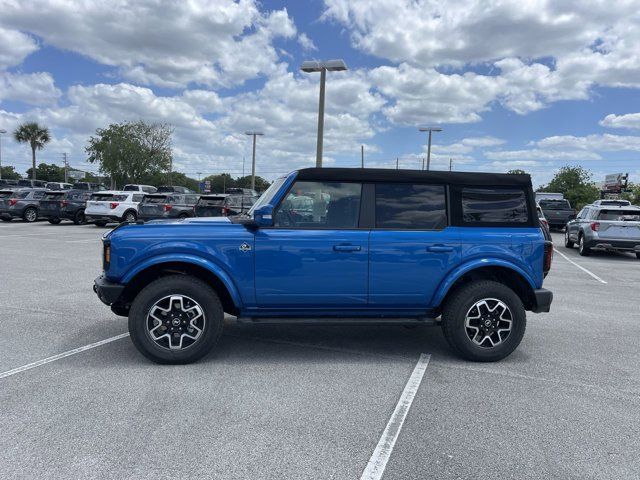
405,176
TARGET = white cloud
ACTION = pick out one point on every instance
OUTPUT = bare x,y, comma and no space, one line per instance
14,47
168,43
514,156
31,88
306,43
629,120
603,143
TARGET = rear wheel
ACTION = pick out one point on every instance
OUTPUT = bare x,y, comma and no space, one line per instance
638,255
176,319
567,241
30,215
183,215
79,218
54,221
130,217
484,321
582,248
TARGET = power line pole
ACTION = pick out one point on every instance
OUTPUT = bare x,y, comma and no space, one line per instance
450,163
397,163
2,132
361,156
422,163
66,167
243,166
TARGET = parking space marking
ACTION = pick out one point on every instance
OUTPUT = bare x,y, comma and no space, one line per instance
59,356
382,453
580,266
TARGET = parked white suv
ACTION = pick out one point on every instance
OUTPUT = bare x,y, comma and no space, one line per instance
139,188
111,206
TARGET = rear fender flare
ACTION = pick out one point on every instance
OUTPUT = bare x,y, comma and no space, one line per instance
461,270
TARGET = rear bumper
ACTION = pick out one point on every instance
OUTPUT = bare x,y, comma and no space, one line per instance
108,292
543,299
105,218
604,244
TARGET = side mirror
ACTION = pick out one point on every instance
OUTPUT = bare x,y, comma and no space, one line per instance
263,216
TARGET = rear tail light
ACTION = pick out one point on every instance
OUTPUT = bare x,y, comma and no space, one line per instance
595,226
113,205
168,208
12,202
548,257
225,211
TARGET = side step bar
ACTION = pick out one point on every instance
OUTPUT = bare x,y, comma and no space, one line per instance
333,321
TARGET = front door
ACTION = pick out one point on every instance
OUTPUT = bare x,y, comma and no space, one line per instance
315,256
411,247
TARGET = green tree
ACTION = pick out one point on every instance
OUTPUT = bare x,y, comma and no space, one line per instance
48,172
9,173
36,136
517,171
132,151
177,179
575,184
632,194
245,182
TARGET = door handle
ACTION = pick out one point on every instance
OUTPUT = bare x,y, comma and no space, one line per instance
439,248
347,248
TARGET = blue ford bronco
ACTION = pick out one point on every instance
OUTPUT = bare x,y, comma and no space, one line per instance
339,246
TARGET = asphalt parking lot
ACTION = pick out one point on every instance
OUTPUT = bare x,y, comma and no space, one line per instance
310,402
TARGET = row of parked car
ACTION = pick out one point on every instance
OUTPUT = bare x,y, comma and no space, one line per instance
605,225
98,205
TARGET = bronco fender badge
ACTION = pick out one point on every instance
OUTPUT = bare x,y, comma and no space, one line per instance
245,247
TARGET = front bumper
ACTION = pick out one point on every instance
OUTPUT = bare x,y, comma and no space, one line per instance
108,292
543,299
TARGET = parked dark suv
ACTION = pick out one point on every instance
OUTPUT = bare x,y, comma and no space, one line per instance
222,205
20,203
460,250
65,205
167,205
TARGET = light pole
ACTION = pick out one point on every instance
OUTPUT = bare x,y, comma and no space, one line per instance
323,68
2,132
361,156
254,134
429,129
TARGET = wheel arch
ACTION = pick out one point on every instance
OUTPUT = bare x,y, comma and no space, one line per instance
508,274
136,281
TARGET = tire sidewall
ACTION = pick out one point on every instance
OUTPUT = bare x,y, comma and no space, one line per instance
181,285
25,216
132,213
456,315
79,218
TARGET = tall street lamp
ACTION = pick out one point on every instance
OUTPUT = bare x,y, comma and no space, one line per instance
323,68
429,129
2,132
254,134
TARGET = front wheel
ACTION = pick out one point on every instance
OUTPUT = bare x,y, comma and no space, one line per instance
176,319
79,218
567,241
130,217
30,215
484,321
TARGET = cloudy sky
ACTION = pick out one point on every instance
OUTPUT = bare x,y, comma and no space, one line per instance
514,84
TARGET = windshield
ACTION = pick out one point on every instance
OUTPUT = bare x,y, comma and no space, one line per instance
268,195
555,204
619,215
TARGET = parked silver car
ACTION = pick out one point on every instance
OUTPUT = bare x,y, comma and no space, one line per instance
605,227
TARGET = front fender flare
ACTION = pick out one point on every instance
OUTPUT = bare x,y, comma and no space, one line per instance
459,271
186,258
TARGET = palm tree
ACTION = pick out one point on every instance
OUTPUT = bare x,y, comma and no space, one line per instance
36,136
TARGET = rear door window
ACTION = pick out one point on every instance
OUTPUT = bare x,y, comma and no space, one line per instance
410,206
38,195
21,194
493,205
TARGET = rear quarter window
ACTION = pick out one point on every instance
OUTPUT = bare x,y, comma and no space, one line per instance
493,205
410,207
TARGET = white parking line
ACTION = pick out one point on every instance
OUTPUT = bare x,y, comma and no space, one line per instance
59,356
580,266
382,453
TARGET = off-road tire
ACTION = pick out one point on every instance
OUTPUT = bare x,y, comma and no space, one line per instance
454,315
188,286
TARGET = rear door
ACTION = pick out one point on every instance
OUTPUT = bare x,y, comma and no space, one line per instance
317,257
153,206
412,246
50,204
